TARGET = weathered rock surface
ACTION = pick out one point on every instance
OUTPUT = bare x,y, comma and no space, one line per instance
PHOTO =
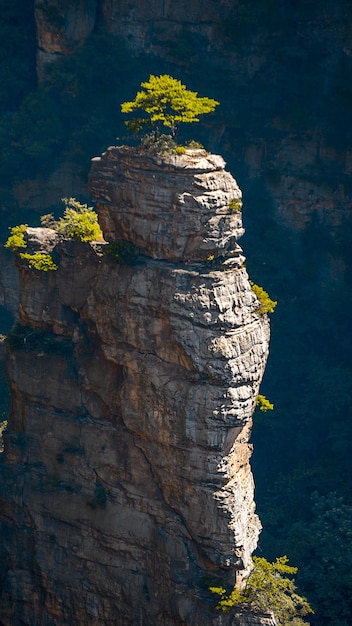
126,464
62,26
172,207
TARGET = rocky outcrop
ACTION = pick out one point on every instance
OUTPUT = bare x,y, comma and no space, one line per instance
127,478
174,208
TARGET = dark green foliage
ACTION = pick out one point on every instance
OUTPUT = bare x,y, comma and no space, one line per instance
64,117
122,252
187,47
52,14
158,143
17,52
323,545
241,25
317,530
38,340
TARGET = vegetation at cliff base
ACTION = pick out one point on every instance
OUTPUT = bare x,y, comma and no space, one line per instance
78,222
166,102
270,588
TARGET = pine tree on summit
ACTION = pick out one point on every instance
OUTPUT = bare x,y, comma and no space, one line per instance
166,102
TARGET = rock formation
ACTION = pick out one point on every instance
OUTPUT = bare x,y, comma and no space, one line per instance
62,26
127,484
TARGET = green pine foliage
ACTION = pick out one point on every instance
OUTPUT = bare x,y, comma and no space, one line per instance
39,261
235,204
16,238
78,222
263,403
267,305
270,588
166,102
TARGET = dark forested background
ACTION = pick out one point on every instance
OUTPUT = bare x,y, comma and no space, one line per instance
282,71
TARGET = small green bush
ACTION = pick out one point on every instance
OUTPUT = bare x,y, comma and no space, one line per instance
122,252
267,305
16,239
78,222
194,145
263,403
180,150
157,143
40,261
235,204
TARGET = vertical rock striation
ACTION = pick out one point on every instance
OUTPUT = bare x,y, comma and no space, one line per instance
133,385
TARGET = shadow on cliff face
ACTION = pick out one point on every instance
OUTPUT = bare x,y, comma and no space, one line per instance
6,321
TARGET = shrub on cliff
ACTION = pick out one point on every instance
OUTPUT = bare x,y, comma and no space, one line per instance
122,252
166,102
263,403
267,305
16,238
39,261
78,222
269,589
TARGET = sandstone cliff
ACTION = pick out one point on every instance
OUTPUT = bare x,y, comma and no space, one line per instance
127,483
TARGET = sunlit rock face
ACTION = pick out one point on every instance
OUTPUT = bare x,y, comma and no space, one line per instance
173,207
127,478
